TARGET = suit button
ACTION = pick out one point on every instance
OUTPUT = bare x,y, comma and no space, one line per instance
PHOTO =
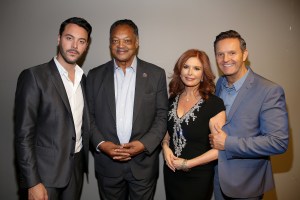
73,138
72,155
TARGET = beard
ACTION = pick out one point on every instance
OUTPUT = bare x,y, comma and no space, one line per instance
64,55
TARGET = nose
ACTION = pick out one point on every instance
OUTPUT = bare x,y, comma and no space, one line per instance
190,72
120,43
226,57
75,44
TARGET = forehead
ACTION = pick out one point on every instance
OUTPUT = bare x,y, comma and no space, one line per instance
122,30
228,44
75,31
193,61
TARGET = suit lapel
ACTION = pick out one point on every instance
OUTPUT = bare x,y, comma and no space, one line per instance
59,85
110,88
85,116
219,86
140,84
241,95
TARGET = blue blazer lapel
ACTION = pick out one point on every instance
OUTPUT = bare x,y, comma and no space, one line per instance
241,95
219,85
59,85
141,79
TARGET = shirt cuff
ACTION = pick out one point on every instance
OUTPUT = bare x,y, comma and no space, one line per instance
97,148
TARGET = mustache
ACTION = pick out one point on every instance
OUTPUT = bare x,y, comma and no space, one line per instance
73,50
123,49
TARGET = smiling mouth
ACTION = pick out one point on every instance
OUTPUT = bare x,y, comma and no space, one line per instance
121,52
227,65
189,79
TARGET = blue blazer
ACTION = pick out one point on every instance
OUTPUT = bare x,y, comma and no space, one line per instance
257,127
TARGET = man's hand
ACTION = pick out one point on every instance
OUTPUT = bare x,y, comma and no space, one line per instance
37,192
217,140
133,148
112,150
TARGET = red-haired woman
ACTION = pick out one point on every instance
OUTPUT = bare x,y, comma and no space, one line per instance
194,111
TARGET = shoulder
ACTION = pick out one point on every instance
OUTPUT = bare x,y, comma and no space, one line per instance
265,84
149,66
214,104
213,99
102,68
41,70
172,99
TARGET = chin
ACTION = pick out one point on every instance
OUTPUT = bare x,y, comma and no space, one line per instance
71,61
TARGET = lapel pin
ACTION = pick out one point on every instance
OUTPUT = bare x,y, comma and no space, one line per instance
145,75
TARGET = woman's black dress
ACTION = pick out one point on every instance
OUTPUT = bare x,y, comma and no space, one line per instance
189,139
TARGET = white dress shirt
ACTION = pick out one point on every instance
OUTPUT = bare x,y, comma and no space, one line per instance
75,96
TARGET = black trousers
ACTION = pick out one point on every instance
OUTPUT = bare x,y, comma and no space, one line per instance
72,190
126,186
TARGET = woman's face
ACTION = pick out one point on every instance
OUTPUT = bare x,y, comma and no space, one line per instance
192,72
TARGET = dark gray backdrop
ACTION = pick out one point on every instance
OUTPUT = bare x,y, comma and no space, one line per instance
167,28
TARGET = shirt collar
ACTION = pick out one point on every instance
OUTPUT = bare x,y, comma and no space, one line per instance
133,64
236,85
63,71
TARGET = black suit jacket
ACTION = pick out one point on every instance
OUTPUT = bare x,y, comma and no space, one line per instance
44,128
149,116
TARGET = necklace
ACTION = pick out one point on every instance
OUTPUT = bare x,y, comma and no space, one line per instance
193,97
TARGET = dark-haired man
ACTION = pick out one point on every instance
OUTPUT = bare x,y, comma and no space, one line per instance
52,120
256,125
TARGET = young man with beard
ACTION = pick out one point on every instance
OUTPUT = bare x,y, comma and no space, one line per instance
52,120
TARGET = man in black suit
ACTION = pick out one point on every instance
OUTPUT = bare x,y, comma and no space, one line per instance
128,100
52,121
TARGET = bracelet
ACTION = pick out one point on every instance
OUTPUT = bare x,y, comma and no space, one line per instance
165,141
184,166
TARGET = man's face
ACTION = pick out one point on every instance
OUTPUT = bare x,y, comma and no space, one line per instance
123,45
231,59
72,44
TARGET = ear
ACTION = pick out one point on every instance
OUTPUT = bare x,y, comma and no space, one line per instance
245,55
58,39
137,42
87,46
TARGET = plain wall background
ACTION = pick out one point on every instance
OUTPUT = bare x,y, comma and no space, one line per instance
167,28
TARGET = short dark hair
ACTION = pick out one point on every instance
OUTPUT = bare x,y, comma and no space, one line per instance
78,21
230,34
125,22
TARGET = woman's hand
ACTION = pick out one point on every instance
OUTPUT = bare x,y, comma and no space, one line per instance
169,157
181,164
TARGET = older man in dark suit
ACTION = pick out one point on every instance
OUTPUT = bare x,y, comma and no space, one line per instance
128,100
52,120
